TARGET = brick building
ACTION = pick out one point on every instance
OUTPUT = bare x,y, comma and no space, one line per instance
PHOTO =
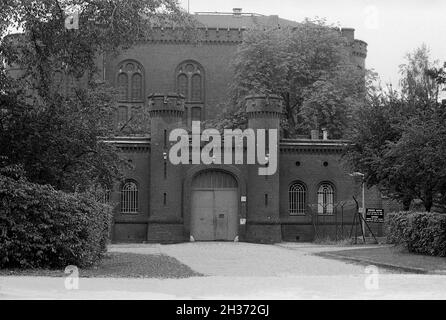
311,193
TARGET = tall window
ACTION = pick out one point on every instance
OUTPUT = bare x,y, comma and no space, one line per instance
130,82
129,198
325,199
297,198
190,83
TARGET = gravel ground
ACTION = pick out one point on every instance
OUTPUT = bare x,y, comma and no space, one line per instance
121,265
250,259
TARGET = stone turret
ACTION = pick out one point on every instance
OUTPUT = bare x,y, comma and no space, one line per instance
263,224
358,48
166,114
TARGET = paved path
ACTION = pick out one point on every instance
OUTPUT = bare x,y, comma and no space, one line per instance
239,271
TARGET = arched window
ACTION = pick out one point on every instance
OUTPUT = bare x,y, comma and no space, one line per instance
136,87
123,86
129,198
130,82
297,198
190,81
182,84
325,199
196,88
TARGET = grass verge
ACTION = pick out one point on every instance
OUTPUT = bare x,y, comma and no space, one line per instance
120,265
393,258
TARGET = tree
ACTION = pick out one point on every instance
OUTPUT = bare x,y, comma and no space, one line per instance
309,66
415,165
398,139
56,135
104,26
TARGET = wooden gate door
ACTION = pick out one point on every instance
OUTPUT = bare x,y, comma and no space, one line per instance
214,207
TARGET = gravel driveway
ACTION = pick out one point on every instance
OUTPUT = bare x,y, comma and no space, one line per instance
248,260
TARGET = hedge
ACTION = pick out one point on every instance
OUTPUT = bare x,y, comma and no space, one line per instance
44,228
420,232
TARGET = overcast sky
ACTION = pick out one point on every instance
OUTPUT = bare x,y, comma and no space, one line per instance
391,28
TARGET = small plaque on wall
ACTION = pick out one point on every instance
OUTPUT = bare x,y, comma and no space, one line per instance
243,198
242,221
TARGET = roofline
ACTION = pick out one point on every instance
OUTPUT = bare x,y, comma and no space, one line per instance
283,142
216,13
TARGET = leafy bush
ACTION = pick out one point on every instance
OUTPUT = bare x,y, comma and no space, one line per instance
420,232
44,228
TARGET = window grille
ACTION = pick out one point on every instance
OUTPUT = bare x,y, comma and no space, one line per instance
297,199
129,198
325,199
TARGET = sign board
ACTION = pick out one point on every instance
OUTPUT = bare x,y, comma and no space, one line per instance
243,198
242,221
374,215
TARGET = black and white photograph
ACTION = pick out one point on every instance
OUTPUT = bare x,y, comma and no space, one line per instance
239,152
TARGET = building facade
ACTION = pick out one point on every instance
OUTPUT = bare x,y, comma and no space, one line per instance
310,195
176,81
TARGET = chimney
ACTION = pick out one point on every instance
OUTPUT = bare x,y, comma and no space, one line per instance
237,11
273,21
324,134
314,134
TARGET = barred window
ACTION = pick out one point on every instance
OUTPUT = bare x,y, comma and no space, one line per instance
129,198
297,198
325,199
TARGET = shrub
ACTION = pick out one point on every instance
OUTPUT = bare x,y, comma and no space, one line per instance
44,228
420,232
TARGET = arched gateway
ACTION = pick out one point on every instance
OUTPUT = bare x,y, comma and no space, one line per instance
214,206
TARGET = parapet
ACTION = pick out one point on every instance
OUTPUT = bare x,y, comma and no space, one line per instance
201,34
164,104
360,48
271,105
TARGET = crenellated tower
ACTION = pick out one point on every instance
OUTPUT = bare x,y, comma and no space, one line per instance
358,48
165,222
263,224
